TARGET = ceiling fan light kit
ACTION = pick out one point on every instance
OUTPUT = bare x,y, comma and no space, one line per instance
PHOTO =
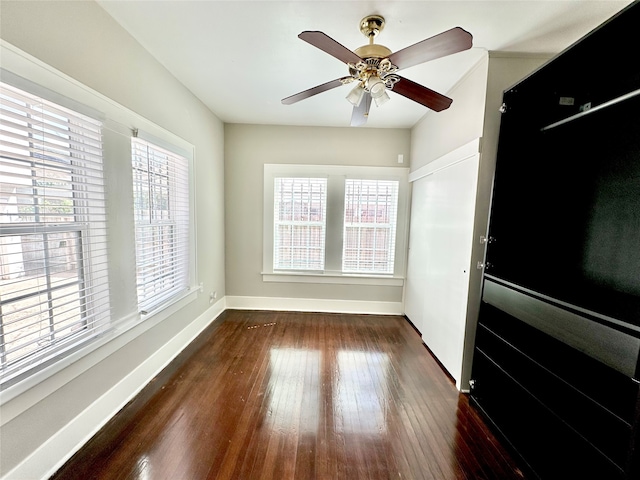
381,99
375,85
374,67
356,95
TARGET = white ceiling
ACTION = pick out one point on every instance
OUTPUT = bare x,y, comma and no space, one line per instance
242,57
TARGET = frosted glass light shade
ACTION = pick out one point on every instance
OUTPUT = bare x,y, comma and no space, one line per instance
376,86
381,99
356,94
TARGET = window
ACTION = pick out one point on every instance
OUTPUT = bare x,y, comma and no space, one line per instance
162,218
300,206
370,213
53,250
334,222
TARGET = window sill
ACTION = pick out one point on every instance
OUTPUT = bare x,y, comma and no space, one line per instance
164,306
47,380
327,278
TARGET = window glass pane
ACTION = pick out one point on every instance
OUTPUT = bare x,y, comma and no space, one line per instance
161,212
300,206
370,212
53,269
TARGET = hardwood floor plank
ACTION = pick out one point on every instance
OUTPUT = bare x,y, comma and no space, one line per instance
283,395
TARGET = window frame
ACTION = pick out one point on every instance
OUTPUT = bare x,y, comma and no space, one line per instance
32,75
375,227
336,176
306,197
191,274
87,226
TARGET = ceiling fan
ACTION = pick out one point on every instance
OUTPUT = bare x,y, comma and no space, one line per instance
374,68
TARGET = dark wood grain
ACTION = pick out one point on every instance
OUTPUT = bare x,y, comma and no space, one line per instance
445,43
327,44
422,95
275,395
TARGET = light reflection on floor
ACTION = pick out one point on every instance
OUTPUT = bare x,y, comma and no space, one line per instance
293,385
358,391
158,462
360,399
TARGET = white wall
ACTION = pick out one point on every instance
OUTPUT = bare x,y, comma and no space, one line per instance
247,149
440,133
443,205
42,425
438,270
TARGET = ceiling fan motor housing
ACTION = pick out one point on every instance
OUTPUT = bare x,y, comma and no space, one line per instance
370,26
372,51
373,55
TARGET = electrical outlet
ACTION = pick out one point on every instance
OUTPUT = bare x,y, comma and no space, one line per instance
212,297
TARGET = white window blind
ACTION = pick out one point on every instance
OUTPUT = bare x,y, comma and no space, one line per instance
300,206
161,210
370,216
53,253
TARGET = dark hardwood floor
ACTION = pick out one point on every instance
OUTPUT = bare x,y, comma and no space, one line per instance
274,395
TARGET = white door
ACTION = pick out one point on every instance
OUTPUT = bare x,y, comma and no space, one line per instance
440,241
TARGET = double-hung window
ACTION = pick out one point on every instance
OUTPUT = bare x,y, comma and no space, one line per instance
370,217
300,206
334,221
162,219
53,245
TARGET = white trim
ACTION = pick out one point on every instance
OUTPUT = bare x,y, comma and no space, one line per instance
68,440
336,174
314,305
43,383
18,66
447,160
338,279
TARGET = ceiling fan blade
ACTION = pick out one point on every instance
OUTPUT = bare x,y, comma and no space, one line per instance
330,46
361,112
423,95
441,45
314,91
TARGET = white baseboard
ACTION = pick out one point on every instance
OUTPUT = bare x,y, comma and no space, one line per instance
314,305
61,446
51,455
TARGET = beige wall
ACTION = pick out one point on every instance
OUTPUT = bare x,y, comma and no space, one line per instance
83,42
247,149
